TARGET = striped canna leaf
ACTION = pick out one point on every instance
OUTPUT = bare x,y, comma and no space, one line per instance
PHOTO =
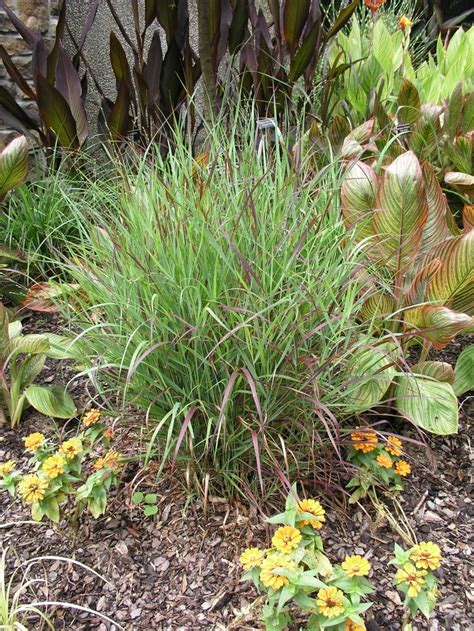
437,324
441,371
13,165
358,193
436,228
400,212
453,283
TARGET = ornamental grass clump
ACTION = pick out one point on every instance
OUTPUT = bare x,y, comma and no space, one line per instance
416,579
217,298
67,478
295,574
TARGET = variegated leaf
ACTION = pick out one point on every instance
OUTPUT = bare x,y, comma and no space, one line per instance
468,217
462,181
431,405
453,283
358,198
369,374
13,165
437,324
464,371
436,228
400,212
441,371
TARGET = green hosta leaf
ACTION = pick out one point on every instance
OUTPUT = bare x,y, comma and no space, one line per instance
431,405
150,509
358,199
464,371
55,402
409,103
13,165
401,212
441,371
369,375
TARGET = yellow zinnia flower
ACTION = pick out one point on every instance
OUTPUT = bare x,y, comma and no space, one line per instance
270,568
402,468
315,508
32,488
111,460
384,460
6,467
71,448
33,441
408,575
426,555
364,439
356,566
286,539
352,626
92,417
394,446
330,602
53,466
252,557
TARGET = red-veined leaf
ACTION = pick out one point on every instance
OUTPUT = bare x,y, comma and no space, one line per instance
436,228
400,212
358,193
437,324
468,217
409,103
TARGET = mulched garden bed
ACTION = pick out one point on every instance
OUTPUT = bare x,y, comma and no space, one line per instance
180,570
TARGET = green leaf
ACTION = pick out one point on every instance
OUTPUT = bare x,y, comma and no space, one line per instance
343,17
30,369
437,324
137,497
32,344
118,121
55,402
436,228
464,371
409,102
56,114
369,374
13,165
50,508
358,199
151,498
441,371
60,347
150,509
453,115
401,212
431,405
453,283
383,49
